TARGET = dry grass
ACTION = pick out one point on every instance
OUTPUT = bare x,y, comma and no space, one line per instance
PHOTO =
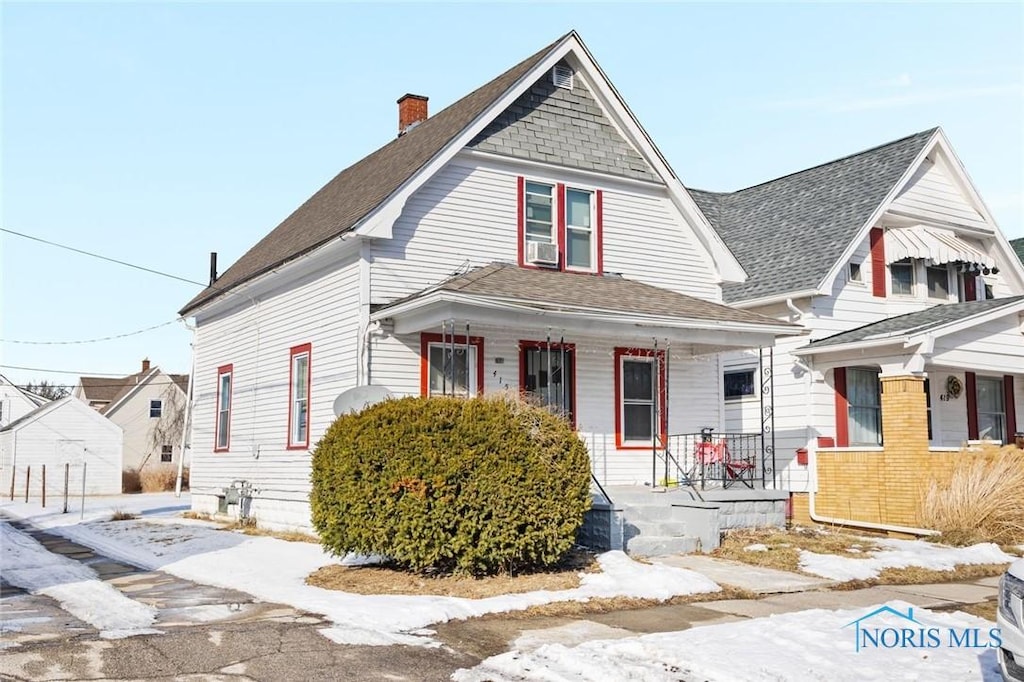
979,500
161,478
916,575
119,515
391,580
198,516
784,547
608,605
130,482
985,609
251,529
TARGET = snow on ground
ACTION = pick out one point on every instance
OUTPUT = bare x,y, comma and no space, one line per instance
900,554
27,564
805,645
275,571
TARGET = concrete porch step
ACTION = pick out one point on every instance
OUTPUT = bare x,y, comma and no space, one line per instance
634,527
660,545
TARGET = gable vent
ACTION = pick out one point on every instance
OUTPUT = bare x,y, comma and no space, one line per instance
561,76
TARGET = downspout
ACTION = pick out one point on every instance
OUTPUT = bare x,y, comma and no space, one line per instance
797,313
188,413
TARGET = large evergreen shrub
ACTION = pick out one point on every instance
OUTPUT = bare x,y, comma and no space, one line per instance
476,486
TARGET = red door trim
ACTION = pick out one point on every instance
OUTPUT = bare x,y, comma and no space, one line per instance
1009,404
971,388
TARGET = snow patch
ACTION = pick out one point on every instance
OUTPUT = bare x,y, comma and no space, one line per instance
900,554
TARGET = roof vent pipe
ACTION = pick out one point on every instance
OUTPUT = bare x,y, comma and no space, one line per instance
213,267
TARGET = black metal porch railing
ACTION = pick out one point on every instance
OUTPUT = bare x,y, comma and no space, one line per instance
718,460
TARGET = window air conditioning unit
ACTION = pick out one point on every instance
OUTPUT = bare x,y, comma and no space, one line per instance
542,253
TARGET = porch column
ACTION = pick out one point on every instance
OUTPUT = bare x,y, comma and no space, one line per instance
906,466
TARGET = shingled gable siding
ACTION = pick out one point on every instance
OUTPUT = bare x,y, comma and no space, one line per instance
468,214
565,128
694,388
322,311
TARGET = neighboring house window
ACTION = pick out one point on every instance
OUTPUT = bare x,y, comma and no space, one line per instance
568,218
222,439
738,384
579,230
991,410
548,372
156,409
639,387
298,397
449,367
855,273
864,397
938,282
902,277
166,453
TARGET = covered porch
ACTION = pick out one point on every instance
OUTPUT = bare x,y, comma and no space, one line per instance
634,367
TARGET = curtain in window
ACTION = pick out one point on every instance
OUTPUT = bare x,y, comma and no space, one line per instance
991,414
864,398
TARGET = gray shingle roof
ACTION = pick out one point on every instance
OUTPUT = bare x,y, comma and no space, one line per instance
365,185
787,233
554,290
1018,248
916,323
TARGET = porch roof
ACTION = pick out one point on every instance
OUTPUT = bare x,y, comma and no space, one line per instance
608,298
937,320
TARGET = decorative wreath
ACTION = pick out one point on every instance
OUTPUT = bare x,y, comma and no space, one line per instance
953,387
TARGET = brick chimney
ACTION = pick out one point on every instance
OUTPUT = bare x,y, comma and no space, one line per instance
145,364
412,109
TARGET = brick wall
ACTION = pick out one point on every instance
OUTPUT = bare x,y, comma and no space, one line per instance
881,487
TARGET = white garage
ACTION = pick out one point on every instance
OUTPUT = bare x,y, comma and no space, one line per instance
65,431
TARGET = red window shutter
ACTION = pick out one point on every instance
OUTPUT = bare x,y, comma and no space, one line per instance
1010,407
970,287
520,219
560,191
842,409
877,243
971,388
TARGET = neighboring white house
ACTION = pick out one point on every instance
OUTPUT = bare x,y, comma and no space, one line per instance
16,402
529,236
893,264
60,432
148,405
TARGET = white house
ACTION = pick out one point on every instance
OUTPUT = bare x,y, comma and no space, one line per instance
893,264
150,408
57,433
529,236
16,402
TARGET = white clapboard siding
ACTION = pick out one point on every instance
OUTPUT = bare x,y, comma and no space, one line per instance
65,432
933,194
468,216
995,347
257,340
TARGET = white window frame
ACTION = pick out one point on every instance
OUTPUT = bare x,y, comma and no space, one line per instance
855,277
553,234
471,368
913,279
997,384
225,385
591,230
753,384
298,428
623,401
928,286
158,406
850,406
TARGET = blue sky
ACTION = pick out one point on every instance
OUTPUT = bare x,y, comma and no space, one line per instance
156,133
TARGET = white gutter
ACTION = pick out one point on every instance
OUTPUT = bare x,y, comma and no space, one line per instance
833,520
797,313
780,298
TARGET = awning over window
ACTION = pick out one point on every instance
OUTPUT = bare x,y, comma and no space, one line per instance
939,246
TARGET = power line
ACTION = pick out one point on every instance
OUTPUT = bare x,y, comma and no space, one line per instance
104,338
62,371
106,258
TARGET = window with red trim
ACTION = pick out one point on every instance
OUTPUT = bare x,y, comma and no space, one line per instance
569,219
299,380
548,372
448,364
639,398
222,430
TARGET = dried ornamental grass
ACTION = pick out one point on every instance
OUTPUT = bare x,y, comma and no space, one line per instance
980,500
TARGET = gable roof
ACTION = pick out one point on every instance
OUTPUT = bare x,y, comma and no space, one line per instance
359,189
915,323
101,389
788,233
1018,248
113,390
54,405
561,291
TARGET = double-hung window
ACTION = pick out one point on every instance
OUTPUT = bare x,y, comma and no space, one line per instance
938,282
298,397
166,453
540,215
902,277
222,433
547,372
156,409
579,230
864,397
991,410
639,382
450,366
